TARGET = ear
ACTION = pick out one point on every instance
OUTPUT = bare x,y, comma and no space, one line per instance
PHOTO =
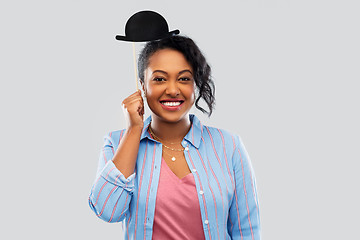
142,85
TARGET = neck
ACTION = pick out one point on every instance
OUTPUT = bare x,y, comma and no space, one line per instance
170,131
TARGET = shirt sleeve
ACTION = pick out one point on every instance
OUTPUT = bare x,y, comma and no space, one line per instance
244,222
111,192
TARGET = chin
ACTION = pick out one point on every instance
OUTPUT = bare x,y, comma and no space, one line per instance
170,117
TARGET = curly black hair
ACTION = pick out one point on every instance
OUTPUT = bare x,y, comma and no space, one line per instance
192,53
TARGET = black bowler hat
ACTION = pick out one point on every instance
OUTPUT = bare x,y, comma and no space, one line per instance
146,26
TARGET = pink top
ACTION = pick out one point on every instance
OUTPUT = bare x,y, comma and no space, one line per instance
177,209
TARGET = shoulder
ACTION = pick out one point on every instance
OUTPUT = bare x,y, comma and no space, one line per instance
215,135
220,139
219,133
114,136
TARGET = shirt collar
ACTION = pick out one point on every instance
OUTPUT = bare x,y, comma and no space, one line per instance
193,136
145,132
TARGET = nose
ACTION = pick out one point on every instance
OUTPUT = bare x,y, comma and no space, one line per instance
172,89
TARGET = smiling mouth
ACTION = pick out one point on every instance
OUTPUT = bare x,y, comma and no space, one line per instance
172,103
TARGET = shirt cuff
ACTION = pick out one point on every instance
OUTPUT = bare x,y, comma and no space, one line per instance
114,176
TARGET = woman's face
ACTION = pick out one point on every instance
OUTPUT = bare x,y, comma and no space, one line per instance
169,85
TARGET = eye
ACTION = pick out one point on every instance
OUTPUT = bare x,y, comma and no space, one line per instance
159,79
184,79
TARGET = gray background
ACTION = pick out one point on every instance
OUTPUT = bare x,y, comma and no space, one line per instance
286,73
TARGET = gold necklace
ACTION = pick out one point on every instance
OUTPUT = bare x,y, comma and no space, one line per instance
162,141
153,134
173,149
173,158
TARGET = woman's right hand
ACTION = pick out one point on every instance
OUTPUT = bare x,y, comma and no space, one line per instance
133,107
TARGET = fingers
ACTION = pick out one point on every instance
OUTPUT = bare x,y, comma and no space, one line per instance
133,97
134,100
134,103
133,107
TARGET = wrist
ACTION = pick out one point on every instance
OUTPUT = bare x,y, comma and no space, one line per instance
135,128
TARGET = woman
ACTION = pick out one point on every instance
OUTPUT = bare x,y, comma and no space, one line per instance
170,177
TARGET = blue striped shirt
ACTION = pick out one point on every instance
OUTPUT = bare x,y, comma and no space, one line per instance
223,175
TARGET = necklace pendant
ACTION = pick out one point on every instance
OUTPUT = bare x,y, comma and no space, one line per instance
173,159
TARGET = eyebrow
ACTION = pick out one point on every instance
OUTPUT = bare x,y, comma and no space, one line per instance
181,72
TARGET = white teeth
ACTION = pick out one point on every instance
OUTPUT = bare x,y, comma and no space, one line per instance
171,103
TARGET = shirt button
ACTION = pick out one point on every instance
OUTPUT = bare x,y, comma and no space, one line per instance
201,192
184,142
194,170
187,149
206,221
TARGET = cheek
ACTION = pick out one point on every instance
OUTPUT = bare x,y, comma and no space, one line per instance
151,92
190,92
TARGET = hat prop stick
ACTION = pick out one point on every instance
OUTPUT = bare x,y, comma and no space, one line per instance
135,69
145,26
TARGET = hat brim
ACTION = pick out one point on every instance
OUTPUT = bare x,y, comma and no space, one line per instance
127,39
